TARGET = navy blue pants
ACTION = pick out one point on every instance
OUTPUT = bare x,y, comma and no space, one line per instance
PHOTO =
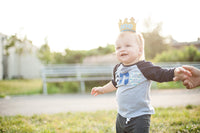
140,124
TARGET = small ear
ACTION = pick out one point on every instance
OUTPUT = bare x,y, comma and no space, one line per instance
141,53
141,50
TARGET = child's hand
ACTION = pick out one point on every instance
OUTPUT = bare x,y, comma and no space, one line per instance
181,74
97,90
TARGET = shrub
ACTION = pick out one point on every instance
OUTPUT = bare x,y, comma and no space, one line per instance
187,53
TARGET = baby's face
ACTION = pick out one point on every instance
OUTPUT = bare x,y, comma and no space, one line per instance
127,48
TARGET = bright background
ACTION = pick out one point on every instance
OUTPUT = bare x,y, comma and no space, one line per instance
87,24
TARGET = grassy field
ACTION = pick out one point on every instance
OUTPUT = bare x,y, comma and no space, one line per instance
20,87
29,87
166,120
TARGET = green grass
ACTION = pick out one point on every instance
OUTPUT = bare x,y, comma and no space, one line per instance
28,87
168,85
64,87
166,120
176,120
20,87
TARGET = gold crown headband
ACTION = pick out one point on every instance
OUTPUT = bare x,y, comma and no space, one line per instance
127,26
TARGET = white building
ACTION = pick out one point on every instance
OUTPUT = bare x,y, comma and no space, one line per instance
22,61
2,42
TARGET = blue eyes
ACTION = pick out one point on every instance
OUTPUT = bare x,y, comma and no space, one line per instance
123,46
118,47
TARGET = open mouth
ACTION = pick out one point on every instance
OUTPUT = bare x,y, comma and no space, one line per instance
123,54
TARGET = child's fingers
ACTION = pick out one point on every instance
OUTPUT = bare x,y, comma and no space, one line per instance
180,70
175,79
188,73
93,91
185,71
184,77
177,70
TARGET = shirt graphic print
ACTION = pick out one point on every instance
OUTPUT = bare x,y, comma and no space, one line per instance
129,77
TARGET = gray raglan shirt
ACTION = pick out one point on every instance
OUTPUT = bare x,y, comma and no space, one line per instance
133,87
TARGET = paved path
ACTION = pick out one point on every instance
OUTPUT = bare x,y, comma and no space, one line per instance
38,104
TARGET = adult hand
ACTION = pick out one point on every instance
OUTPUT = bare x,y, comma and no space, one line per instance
193,81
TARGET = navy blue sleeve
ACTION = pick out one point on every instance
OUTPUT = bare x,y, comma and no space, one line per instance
155,73
113,79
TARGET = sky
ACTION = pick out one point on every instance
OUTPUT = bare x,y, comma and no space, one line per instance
88,24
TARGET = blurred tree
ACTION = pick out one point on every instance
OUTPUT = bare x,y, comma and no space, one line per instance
101,50
74,56
187,53
19,44
10,43
190,53
57,58
197,57
70,56
44,53
154,42
77,56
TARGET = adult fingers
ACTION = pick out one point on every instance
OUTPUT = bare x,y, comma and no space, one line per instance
190,68
187,72
188,84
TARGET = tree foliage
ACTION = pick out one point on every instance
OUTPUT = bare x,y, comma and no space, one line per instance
19,44
10,43
73,56
187,53
154,42
101,50
44,54
70,56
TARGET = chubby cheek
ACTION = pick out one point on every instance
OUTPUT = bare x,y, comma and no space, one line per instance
118,55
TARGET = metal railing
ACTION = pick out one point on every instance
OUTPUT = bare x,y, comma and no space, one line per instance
82,73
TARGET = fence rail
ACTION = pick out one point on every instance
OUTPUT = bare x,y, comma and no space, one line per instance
82,73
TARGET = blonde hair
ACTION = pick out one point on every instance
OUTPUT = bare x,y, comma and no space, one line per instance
140,40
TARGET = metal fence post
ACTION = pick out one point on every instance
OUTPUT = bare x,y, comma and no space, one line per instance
44,85
82,82
82,86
